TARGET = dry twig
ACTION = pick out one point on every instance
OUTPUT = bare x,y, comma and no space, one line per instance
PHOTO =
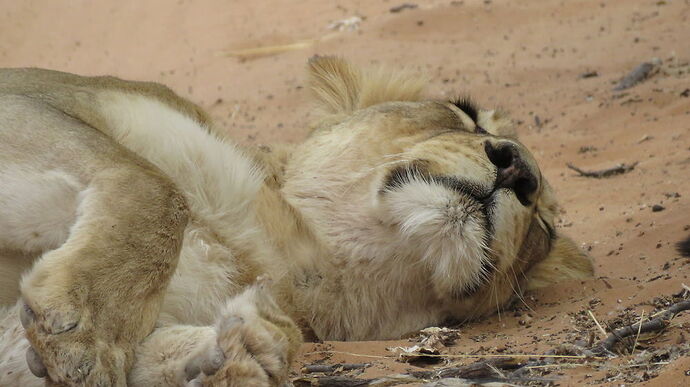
401,7
617,170
331,368
331,381
654,325
639,74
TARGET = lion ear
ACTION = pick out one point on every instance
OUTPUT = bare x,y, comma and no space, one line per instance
497,122
341,88
565,261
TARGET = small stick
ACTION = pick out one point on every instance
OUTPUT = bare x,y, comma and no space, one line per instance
403,6
558,365
331,381
639,74
653,325
617,170
330,368
350,354
478,370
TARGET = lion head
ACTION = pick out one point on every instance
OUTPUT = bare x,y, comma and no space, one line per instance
427,196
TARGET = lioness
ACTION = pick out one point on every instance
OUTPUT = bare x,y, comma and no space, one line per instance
139,247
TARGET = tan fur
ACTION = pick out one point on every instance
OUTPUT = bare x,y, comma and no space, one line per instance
13,264
156,282
565,261
342,88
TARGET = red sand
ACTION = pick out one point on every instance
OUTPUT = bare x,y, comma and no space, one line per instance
523,56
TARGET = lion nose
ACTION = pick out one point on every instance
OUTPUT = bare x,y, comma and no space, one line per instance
511,170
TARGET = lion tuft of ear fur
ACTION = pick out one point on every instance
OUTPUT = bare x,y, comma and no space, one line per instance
497,122
565,261
341,88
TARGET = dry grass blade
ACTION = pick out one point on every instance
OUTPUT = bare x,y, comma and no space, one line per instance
268,50
601,329
639,328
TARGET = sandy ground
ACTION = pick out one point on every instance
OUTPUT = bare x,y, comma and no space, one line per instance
526,56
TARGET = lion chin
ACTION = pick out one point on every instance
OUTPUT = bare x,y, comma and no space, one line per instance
140,246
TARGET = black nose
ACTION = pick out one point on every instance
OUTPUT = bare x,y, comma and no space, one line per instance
511,171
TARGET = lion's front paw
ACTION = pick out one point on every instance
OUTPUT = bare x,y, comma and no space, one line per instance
78,335
254,346
244,355
70,353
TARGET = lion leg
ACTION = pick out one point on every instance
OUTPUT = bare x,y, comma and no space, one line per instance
251,344
37,208
90,301
109,227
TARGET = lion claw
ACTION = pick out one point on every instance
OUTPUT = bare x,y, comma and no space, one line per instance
35,363
26,315
208,363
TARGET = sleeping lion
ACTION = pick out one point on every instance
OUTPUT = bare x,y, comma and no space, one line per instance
138,247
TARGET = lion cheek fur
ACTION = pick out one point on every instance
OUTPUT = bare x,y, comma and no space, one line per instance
445,230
